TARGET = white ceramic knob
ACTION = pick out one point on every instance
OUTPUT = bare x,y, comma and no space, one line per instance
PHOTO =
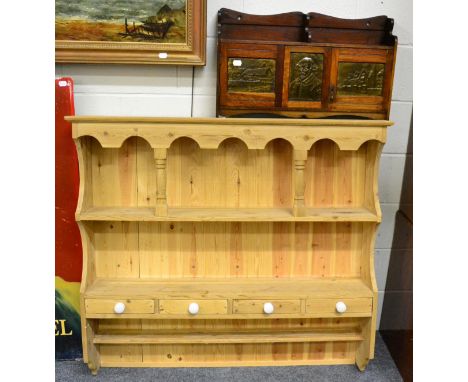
268,308
340,307
119,308
193,308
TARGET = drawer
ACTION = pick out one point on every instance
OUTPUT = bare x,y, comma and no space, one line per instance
129,306
201,307
258,306
329,305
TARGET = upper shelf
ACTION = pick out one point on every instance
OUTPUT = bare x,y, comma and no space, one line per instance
111,132
229,214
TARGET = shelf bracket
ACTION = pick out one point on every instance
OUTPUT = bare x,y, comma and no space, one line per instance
363,351
94,359
160,156
300,159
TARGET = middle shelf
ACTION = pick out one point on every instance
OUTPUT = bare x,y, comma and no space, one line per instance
228,214
228,298
229,288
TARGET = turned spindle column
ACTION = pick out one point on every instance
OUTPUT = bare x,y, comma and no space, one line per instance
160,156
300,158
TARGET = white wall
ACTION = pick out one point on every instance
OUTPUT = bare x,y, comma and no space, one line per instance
184,91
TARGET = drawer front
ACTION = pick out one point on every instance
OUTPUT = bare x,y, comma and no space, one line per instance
257,306
181,307
328,305
102,306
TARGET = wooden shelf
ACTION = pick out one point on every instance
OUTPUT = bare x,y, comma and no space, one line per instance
260,288
117,214
229,214
136,337
180,293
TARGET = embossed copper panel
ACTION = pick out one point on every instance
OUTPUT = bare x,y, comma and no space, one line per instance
252,75
305,77
360,79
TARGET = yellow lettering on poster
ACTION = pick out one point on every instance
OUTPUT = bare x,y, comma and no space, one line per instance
62,330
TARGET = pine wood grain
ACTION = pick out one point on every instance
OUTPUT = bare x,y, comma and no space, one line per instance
111,132
256,288
235,338
229,214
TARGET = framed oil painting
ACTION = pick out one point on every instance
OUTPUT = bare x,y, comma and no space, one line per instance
130,31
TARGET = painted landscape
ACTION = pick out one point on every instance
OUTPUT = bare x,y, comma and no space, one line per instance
161,21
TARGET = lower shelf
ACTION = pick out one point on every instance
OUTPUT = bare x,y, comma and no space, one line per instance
229,338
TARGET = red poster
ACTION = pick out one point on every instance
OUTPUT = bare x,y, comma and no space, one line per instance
68,257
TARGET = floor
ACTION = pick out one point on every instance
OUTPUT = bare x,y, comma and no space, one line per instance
382,368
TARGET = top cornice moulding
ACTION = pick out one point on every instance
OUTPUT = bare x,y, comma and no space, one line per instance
209,133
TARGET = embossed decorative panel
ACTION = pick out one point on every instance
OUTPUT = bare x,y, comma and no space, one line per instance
306,77
251,75
357,79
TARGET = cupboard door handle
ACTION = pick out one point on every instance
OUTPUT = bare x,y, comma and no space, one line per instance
332,94
119,308
268,308
193,308
341,307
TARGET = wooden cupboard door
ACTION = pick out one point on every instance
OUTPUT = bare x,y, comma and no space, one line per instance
204,307
306,77
329,306
360,80
247,75
258,306
127,306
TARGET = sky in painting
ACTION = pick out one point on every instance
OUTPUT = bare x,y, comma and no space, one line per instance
111,10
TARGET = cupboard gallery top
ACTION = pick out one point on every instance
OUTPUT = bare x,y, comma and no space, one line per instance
111,132
301,135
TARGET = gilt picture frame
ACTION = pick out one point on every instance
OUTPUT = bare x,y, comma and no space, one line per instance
131,32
